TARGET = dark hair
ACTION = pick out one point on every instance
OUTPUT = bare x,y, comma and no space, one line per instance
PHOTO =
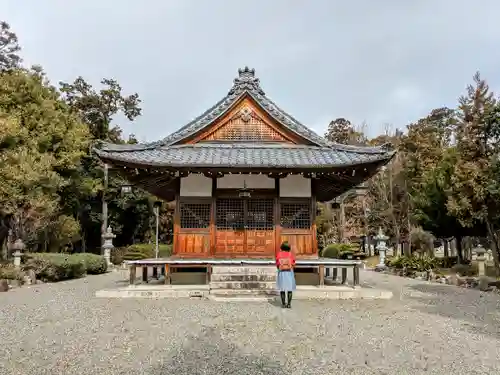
285,246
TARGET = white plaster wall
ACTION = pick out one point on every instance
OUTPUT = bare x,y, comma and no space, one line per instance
196,185
252,181
295,186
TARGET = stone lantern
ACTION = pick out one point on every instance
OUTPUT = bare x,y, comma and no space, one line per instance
18,248
381,240
108,245
480,257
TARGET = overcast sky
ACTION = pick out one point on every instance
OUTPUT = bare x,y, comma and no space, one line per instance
383,62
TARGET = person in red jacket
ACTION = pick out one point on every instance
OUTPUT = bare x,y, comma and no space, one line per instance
285,261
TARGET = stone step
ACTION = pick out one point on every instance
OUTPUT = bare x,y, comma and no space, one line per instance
243,293
219,277
246,270
241,298
267,285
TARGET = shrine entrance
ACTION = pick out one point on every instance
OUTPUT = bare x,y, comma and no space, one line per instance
245,227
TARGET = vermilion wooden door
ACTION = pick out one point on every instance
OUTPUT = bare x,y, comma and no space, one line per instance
244,227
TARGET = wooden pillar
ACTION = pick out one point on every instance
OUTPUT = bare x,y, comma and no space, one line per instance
355,272
177,218
167,275
321,275
313,226
277,215
209,273
133,272
344,276
145,270
213,229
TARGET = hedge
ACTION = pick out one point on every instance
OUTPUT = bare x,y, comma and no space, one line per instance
54,266
145,251
58,267
339,250
9,272
94,264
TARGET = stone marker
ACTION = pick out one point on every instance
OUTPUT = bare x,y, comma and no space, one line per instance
4,286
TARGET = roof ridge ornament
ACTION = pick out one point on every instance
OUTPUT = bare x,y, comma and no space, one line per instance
246,81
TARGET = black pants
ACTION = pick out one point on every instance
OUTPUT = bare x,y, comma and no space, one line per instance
286,301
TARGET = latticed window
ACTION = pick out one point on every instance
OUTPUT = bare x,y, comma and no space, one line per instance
296,215
234,214
260,214
230,214
195,215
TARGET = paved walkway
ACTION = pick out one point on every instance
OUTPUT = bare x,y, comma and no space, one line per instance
424,329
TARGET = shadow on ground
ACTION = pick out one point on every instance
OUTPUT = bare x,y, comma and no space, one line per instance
209,353
478,311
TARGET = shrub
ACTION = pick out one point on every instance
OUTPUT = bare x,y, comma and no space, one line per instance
411,263
145,251
464,269
117,255
447,262
338,250
9,272
94,264
54,266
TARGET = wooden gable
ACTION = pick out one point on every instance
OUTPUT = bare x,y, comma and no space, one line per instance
247,122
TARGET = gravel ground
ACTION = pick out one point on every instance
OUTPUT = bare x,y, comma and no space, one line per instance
425,329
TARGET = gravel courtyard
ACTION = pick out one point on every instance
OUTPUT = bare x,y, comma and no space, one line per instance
425,329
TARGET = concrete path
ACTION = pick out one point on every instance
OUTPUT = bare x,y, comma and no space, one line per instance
425,329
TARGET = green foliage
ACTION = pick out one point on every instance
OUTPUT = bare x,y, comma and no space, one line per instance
117,255
411,263
9,272
9,48
464,269
54,267
339,250
41,142
94,264
145,251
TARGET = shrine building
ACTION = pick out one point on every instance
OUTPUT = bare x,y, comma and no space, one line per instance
245,176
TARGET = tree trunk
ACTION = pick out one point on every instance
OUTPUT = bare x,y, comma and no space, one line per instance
446,248
495,246
459,248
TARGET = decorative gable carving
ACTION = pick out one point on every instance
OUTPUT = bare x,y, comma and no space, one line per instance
246,123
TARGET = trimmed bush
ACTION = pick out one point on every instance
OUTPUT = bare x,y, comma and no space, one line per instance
94,264
54,266
145,251
339,251
411,263
9,272
464,269
117,255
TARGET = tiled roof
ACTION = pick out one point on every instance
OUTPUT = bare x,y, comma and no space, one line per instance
245,84
260,155
169,153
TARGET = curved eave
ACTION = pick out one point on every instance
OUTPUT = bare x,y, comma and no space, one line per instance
228,158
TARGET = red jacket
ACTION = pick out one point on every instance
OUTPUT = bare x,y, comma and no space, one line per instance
285,254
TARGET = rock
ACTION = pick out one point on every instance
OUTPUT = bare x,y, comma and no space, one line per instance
455,280
495,283
32,275
26,280
4,286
